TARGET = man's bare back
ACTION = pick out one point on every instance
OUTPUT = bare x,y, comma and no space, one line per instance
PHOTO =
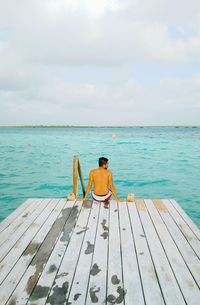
102,180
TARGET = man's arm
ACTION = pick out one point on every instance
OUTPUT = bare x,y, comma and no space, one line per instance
89,185
112,187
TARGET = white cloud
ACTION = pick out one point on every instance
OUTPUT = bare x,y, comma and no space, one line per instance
40,41
103,32
114,102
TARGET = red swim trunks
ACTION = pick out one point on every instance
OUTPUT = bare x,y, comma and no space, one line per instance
103,198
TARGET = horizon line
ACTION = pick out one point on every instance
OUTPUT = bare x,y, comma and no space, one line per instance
93,126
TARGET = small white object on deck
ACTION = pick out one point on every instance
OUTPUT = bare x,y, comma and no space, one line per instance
71,196
131,197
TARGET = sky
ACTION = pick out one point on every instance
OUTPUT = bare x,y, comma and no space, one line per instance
100,62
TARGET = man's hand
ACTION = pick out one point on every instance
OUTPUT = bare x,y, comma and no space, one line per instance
82,199
119,200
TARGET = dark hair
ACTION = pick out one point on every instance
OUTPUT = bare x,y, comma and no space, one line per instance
102,161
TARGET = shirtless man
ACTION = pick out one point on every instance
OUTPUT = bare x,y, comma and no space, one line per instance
103,183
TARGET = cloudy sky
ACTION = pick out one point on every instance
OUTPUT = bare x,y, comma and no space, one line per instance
100,62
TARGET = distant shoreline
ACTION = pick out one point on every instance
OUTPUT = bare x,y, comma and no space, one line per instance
82,126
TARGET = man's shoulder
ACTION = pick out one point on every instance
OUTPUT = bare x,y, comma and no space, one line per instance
109,172
93,170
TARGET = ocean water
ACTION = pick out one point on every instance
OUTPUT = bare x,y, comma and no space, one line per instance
152,162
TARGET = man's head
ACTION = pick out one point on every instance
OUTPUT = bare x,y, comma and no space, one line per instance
103,162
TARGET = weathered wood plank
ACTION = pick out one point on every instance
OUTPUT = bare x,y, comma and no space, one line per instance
29,279
45,282
183,276
78,291
96,292
115,285
131,253
186,230
169,286
131,274
150,282
10,242
10,218
18,222
190,257
62,283
14,254
187,219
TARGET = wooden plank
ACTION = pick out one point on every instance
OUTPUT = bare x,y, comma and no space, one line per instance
65,274
167,281
10,242
81,177
75,176
14,254
45,282
190,257
115,286
183,276
139,253
78,291
10,218
18,221
33,271
96,292
187,219
186,229
14,277
150,282
131,274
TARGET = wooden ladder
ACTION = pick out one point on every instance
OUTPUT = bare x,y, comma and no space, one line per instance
77,172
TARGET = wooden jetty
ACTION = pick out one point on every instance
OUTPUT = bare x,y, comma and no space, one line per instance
54,251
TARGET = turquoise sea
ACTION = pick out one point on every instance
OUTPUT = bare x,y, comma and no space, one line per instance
152,162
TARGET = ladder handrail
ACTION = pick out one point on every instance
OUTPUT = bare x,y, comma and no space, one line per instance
77,172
